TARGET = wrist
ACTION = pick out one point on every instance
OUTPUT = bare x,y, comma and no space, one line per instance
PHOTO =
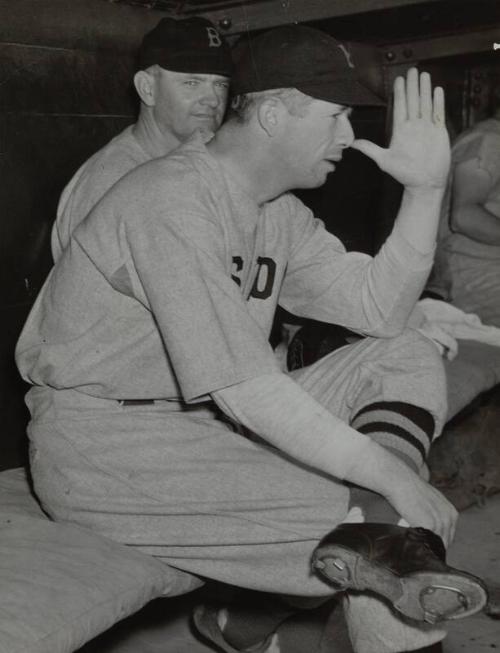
377,470
426,193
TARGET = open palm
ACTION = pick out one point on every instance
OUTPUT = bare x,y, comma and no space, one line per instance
419,152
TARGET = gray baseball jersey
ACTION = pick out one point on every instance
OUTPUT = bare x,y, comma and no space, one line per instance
169,288
91,181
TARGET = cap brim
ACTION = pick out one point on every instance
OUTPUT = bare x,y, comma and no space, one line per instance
349,92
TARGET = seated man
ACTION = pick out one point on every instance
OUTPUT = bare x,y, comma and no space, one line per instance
467,270
182,82
159,415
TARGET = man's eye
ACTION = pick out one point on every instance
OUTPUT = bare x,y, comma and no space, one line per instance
191,82
344,112
223,84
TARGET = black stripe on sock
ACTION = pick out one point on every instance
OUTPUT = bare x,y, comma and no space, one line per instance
419,416
393,429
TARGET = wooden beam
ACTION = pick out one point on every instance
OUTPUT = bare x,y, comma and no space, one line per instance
248,16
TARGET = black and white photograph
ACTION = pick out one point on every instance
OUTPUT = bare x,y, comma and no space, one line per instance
250,350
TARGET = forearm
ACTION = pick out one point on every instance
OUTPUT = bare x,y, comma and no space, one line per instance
477,223
397,277
401,268
418,217
281,412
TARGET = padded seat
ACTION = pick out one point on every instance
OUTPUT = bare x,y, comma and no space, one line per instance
474,370
62,585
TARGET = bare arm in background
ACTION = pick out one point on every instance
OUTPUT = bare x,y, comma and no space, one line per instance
472,186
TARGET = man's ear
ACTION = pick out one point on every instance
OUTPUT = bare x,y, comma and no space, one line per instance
145,85
269,115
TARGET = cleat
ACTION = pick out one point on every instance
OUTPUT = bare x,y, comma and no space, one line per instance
406,566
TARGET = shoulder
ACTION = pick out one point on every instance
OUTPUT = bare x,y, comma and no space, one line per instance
178,188
121,154
481,142
292,211
106,166
181,176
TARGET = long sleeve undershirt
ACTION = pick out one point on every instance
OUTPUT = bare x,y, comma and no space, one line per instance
281,412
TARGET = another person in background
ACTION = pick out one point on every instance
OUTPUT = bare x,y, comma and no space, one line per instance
467,268
184,67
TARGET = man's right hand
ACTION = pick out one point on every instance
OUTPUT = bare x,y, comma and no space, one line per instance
418,502
422,505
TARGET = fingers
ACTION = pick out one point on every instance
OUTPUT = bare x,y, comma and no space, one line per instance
425,96
400,113
412,94
371,150
414,98
447,520
439,115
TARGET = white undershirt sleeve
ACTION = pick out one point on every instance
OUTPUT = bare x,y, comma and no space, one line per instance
277,409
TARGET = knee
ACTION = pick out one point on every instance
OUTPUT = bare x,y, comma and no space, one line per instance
425,366
420,349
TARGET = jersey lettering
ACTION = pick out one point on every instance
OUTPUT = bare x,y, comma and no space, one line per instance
214,40
238,263
264,290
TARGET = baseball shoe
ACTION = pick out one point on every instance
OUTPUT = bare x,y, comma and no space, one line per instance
406,566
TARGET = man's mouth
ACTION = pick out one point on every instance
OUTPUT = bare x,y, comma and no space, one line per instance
204,116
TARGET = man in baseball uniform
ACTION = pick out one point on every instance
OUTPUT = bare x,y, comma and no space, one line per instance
159,415
182,82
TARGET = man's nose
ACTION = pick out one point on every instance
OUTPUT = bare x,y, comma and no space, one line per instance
211,95
345,134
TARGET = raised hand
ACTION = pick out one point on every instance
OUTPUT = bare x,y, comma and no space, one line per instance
419,152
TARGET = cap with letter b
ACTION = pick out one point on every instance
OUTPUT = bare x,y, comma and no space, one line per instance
189,45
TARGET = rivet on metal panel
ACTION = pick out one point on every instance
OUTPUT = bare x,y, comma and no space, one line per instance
225,23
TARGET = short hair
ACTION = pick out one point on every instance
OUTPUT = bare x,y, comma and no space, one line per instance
242,106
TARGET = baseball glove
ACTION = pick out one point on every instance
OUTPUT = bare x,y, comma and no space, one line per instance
465,461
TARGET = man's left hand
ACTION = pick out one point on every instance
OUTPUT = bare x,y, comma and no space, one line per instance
419,152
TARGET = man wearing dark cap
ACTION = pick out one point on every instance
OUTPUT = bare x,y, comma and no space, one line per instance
182,82
160,416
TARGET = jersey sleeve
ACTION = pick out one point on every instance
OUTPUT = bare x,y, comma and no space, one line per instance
210,338
371,295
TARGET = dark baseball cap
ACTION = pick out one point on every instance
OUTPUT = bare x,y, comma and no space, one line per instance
301,57
190,45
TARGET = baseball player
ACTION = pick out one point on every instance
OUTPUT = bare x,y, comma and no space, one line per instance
159,415
182,82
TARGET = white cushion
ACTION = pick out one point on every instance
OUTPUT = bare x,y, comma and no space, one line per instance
62,585
475,369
